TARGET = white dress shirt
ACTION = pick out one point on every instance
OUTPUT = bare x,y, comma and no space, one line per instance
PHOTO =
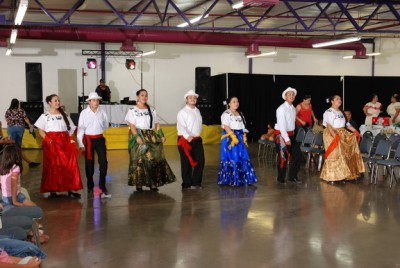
285,119
54,123
91,123
235,122
189,122
334,118
140,118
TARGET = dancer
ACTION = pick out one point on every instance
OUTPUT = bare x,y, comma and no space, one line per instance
235,167
92,123
286,144
190,144
60,167
147,164
343,160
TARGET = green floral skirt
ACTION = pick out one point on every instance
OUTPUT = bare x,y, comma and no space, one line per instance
147,164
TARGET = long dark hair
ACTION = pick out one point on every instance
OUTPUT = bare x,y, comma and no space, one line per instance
14,104
228,100
11,156
331,98
148,107
61,110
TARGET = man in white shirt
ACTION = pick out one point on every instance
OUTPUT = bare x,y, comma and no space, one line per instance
285,138
92,123
190,144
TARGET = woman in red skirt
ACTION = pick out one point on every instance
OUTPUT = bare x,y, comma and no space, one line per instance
60,167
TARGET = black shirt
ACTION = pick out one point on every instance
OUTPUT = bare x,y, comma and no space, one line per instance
104,94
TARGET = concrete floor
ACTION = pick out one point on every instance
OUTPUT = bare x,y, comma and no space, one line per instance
314,224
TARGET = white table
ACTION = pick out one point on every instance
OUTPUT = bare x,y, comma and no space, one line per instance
115,112
376,129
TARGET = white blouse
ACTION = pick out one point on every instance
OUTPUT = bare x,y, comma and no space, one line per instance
140,118
231,120
54,123
334,118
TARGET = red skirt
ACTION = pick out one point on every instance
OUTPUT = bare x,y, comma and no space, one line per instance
60,168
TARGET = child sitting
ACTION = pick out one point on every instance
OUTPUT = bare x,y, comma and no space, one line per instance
10,177
270,133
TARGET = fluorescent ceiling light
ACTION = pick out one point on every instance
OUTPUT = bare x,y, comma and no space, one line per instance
192,21
13,36
262,54
8,52
23,6
238,5
368,54
373,54
147,53
337,42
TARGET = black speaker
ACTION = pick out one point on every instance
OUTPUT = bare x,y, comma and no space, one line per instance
33,110
203,84
207,112
74,118
34,85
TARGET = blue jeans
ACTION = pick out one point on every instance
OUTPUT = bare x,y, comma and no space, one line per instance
16,133
20,248
7,200
33,212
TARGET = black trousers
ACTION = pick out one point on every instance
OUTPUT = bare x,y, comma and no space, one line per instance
98,146
192,176
295,160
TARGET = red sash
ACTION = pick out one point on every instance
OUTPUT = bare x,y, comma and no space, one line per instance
290,133
182,142
87,141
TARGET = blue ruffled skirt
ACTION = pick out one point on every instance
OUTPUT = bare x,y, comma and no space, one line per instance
235,168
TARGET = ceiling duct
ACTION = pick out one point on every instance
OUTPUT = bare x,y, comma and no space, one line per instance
103,35
127,45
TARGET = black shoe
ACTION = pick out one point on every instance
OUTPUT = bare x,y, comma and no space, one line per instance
53,195
185,188
281,182
154,189
295,180
139,189
33,164
198,187
72,194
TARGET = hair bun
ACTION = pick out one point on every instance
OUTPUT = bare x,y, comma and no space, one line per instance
327,100
224,102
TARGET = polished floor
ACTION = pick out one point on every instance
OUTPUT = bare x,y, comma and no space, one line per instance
313,224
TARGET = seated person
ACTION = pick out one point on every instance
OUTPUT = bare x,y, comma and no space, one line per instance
270,133
350,120
318,127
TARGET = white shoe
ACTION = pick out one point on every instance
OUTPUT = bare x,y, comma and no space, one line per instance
105,195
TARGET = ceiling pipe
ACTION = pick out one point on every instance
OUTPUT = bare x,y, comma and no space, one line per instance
182,37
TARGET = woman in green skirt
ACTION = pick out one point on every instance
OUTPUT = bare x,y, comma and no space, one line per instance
147,164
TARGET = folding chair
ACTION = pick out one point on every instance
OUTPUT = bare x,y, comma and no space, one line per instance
382,152
317,148
390,164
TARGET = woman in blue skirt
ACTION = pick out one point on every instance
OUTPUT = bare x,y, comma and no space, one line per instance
235,168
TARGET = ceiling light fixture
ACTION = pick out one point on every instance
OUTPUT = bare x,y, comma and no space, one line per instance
192,21
23,6
238,5
337,42
254,3
262,54
13,36
147,53
356,57
8,52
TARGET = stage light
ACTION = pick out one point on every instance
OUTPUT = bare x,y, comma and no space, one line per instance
23,6
91,63
8,52
337,42
130,64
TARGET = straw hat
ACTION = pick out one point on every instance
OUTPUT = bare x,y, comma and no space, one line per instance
287,90
93,96
191,93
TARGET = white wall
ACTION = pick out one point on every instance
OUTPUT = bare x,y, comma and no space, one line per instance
169,73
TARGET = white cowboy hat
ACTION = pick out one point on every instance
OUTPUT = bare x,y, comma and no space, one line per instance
287,90
93,96
191,93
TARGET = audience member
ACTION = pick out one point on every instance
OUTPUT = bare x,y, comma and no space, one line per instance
270,135
16,119
350,120
372,109
305,114
393,109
